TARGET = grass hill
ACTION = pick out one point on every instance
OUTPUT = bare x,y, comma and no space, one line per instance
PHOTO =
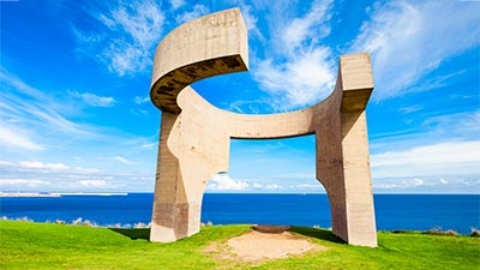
27,245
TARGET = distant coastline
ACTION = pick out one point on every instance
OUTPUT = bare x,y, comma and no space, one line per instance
57,194
28,194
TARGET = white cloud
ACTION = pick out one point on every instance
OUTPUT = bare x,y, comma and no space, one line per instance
442,158
63,178
23,183
25,110
249,12
406,183
467,184
41,165
141,100
410,109
459,124
143,143
93,100
148,145
300,81
6,163
131,32
93,183
197,11
15,137
223,182
306,31
177,3
309,187
299,71
409,39
464,126
251,20
20,86
267,187
123,160
139,21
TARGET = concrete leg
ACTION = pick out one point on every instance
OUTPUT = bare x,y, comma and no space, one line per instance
358,185
170,208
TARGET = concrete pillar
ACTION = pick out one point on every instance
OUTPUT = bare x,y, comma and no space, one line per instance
358,185
170,208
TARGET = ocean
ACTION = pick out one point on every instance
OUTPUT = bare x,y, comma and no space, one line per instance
393,212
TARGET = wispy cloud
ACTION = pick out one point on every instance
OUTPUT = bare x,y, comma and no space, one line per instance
306,31
133,29
404,183
411,109
461,125
249,14
35,166
466,184
93,183
437,128
177,3
13,137
299,71
309,187
251,21
26,111
32,183
197,11
141,100
123,160
410,39
149,145
247,106
267,187
93,100
33,175
41,165
442,158
139,112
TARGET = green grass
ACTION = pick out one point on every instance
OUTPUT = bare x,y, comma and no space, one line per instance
26,245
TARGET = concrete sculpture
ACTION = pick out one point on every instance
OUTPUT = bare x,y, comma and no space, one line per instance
195,136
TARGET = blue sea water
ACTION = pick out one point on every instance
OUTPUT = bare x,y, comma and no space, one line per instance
393,212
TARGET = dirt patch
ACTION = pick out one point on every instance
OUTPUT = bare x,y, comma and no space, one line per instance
256,246
270,229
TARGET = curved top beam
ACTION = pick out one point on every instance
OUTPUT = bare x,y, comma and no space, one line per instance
211,45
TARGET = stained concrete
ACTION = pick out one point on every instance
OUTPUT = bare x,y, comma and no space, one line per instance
195,136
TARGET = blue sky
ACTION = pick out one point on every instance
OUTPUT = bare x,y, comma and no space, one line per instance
75,114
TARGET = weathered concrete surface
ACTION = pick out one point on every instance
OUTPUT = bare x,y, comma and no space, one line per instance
195,136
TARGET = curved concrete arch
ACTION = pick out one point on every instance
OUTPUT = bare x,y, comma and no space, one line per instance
195,136
208,46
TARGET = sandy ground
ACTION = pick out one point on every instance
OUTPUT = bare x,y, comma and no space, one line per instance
255,246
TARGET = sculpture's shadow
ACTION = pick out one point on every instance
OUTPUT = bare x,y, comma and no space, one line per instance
134,234
321,234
